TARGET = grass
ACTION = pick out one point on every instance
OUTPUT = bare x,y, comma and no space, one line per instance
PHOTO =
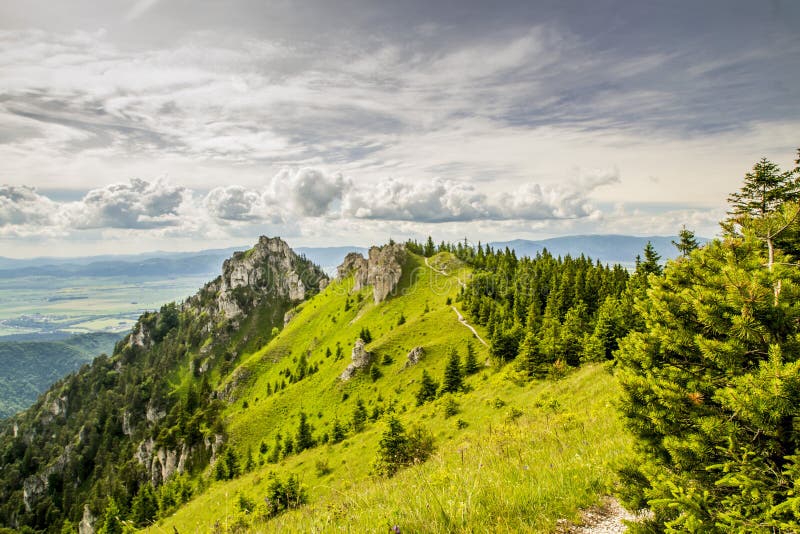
517,456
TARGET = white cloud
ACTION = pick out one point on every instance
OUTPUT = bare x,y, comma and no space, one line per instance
451,200
23,206
236,203
310,192
137,205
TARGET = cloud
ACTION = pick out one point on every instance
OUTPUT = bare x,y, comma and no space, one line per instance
310,192
136,205
23,206
239,204
139,8
436,201
450,200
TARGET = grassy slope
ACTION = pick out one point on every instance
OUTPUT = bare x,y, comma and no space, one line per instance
517,474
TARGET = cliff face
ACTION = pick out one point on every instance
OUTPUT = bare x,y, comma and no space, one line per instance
382,270
125,410
270,269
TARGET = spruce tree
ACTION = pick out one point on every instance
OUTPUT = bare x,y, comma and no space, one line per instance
651,264
359,416
529,360
338,432
112,524
392,449
765,188
304,440
427,389
145,506
571,335
453,377
471,365
711,391
687,242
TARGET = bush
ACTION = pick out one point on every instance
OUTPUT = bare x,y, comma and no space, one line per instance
398,449
282,496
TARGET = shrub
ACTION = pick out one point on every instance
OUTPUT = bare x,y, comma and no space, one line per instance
398,449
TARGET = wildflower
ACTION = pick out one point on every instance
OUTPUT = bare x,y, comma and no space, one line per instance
395,529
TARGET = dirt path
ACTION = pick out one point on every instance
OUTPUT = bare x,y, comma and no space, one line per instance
458,313
607,518
434,269
465,323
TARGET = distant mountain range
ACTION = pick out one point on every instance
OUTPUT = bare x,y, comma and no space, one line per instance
621,249
606,248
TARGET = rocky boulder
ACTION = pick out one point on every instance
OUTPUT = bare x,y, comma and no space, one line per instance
414,356
382,270
361,360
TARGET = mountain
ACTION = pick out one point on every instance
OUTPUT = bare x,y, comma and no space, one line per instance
276,385
329,257
30,367
156,264
611,249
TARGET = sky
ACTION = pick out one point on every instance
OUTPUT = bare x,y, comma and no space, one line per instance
130,126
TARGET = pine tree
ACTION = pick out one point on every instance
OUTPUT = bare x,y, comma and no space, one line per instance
427,389
338,432
453,377
651,264
112,524
359,416
430,248
711,390
687,242
249,463
529,359
232,463
365,335
471,365
765,188
570,341
145,506
304,440
392,449
609,327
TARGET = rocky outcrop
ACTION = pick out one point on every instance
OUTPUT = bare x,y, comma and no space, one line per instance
361,360
382,270
162,463
270,269
86,526
140,337
355,264
33,487
414,356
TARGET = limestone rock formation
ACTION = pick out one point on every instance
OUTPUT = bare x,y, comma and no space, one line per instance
86,526
382,270
356,264
361,360
271,268
414,356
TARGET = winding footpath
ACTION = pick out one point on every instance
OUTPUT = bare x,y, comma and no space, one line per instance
461,318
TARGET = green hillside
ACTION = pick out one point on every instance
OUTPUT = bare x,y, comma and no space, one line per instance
515,455
30,367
